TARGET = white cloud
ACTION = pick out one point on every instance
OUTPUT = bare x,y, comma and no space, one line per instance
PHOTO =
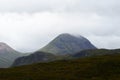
28,30
27,25
101,6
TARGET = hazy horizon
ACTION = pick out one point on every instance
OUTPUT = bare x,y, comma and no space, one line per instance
28,25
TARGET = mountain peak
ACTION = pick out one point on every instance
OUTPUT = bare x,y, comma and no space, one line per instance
4,46
2,43
70,35
65,34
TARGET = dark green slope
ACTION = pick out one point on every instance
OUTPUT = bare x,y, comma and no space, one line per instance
95,52
36,57
105,67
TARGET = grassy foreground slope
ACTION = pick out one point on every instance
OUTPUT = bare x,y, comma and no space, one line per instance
105,67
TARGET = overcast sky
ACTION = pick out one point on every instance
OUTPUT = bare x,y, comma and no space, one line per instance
28,25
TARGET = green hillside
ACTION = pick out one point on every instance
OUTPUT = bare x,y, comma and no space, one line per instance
105,67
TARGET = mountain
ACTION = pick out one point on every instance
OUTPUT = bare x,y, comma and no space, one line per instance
34,58
58,49
67,44
105,67
7,55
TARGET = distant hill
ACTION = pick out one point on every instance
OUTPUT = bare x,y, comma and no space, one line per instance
95,52
34,58
67,44
105,67
8,55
